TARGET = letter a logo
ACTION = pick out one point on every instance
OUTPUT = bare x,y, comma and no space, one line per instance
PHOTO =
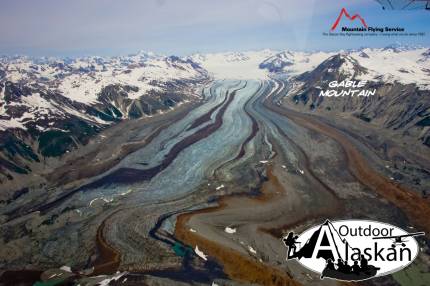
324,244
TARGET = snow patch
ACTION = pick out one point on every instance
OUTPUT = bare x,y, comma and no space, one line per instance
66,268
219,187
116,277
200,253
243,65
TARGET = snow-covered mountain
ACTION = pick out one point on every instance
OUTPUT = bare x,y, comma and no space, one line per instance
51,106
403,65
390,64
293,63
82,79
399,78
238,65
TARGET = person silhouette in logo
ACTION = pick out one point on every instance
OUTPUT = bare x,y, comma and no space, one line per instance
290,241
340,265
330,264
356,268
364,263
347,267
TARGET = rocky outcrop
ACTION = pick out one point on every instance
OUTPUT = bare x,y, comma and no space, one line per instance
402,108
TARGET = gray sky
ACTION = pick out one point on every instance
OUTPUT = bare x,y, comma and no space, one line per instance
108,27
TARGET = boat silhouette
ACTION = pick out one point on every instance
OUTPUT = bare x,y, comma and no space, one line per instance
351,276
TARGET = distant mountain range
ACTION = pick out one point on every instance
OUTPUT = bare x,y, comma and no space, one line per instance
390,64
238,65
51,106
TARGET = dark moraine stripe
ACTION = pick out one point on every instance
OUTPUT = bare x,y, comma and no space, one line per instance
207,116
131,175
254,131
299,149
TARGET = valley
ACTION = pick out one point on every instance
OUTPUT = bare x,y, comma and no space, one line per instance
201,193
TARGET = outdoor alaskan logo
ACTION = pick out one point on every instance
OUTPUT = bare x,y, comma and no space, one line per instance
353,250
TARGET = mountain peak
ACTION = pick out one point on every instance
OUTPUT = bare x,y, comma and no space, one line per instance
398,47
337,67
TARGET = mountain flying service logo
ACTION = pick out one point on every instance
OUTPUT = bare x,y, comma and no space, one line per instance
342,13
353,250
361,27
